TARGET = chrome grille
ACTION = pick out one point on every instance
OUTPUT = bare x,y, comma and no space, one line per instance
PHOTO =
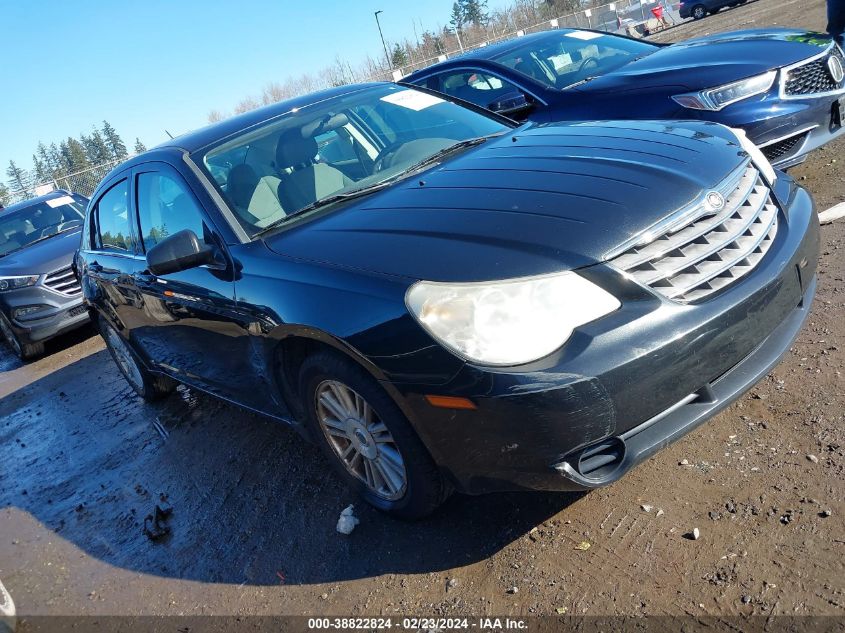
63,281
813,77
705,251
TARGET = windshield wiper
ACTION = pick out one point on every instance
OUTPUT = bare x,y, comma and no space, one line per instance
439,155
41,239
28,244
69,228
363,191
322,202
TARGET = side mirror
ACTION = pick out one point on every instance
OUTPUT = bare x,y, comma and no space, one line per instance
510,103
180,251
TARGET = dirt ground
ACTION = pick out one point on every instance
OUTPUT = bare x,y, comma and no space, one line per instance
83,461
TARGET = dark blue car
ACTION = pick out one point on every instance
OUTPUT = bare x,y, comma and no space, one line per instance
785,88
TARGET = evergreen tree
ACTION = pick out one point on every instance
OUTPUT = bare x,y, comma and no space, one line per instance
18,178
114,142
5,198
433,43
139,146
46,161
95,148
40,170
475,12
399,57
559,7
55,160
73,156
458,19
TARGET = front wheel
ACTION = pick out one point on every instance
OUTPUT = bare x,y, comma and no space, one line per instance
699,11
146,384
24,351
368,440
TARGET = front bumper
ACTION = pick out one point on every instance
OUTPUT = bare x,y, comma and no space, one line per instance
629,384
786,129
59,313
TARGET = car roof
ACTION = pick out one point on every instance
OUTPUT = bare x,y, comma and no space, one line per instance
494,50
29,202
197,139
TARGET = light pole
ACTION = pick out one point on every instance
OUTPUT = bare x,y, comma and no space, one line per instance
386,54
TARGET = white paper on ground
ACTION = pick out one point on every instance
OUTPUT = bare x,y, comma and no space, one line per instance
7,605
833,213
347,520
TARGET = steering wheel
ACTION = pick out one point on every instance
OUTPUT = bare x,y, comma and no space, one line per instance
589,60
385,155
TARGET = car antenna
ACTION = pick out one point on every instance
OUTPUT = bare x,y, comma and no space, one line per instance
168,134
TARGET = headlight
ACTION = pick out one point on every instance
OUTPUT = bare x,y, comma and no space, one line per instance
508,322
757,156
717,98
13,283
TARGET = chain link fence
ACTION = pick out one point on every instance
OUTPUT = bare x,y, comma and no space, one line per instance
83,182
637,18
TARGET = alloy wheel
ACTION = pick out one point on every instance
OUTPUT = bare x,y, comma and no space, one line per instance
124,357
360,439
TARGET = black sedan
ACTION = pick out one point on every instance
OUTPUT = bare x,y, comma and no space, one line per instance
785,88
40,296
444,301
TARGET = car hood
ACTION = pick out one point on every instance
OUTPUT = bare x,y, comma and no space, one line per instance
42,257
540,199
714,60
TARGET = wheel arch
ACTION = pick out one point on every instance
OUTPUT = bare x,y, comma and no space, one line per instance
295,343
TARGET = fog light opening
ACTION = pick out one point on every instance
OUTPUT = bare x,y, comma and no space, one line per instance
25,312
601,460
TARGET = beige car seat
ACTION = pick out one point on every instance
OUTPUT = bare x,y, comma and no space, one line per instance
254,198
308,181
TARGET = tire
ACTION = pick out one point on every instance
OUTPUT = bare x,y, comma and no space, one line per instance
699,11
321,379
24,351
150,386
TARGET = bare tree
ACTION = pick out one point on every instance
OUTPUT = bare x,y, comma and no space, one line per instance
274,92
247,104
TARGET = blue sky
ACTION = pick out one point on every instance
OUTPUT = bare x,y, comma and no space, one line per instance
155,65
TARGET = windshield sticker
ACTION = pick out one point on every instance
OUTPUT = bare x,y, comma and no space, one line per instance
58,202
412,99
583,35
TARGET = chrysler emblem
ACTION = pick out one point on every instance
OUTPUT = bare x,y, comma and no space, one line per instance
714,200
835,67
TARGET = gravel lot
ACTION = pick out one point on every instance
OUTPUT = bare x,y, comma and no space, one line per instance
83,461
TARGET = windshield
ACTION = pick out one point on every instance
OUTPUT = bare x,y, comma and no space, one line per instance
336,147
41,220
564,58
